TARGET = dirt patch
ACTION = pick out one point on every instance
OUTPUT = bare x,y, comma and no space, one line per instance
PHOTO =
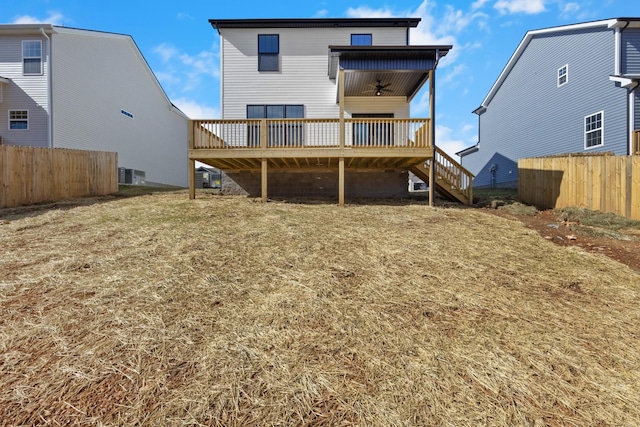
623,247
600,233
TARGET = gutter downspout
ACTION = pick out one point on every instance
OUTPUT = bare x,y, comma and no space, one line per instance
631,108
630,101
408,29
49,91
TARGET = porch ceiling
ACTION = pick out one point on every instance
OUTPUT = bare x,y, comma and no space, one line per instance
402,83
399,70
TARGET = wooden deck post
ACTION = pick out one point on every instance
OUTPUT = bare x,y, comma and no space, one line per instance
341,182
432,134
191,166
342,137
263,180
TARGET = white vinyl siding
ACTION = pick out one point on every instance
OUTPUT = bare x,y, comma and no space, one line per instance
23,92
396,105
97,76
303,76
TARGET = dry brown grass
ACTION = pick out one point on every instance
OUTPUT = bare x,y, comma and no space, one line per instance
157,310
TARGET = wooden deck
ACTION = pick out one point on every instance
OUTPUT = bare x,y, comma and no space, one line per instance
312,144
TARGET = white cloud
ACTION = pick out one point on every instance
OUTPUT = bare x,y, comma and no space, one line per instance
569,9
432,30
195,110
530,7
184,70
54,18
478,4
449,143
367,12
322,13
184,16
451,75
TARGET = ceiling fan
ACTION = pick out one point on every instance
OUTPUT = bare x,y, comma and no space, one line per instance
379,88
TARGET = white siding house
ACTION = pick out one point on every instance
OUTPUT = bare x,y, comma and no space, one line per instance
320,108
89,90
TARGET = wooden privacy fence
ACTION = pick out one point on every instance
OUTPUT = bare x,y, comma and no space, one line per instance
604,183
33,175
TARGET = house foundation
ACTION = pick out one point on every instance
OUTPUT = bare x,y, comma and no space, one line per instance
318,184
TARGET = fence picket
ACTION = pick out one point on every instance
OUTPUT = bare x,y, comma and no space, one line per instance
599,182
34,175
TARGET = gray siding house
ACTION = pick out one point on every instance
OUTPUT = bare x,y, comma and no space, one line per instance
89,90
569,89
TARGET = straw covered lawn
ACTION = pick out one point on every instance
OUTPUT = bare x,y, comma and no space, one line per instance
157,310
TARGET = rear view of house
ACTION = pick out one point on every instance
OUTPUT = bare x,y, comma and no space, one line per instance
89,90
569,89
320,107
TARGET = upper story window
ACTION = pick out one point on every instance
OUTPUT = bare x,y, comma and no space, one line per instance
593,128
19,119
268,52
361,39
32,57
563,75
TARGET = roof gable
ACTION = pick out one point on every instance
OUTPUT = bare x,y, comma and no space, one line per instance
608,23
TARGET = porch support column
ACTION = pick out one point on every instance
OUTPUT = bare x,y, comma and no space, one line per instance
432,134
341,182
263,180
191,164
341,104
342,137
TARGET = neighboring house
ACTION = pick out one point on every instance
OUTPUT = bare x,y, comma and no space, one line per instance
319,107
89,90
208,177
569,89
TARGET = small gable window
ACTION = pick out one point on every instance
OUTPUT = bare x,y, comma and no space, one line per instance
593,128
32,57
360,39
268,52
563,75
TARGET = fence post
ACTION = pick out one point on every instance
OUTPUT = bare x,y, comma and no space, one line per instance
191,164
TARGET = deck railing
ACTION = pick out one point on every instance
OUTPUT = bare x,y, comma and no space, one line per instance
452,174
309,133
636,142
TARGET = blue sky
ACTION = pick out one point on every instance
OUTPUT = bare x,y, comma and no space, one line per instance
183,49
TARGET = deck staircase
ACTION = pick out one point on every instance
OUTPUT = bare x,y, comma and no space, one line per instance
452,181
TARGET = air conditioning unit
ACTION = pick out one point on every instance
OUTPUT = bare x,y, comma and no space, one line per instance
131,176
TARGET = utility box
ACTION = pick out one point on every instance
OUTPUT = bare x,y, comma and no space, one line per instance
131,176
